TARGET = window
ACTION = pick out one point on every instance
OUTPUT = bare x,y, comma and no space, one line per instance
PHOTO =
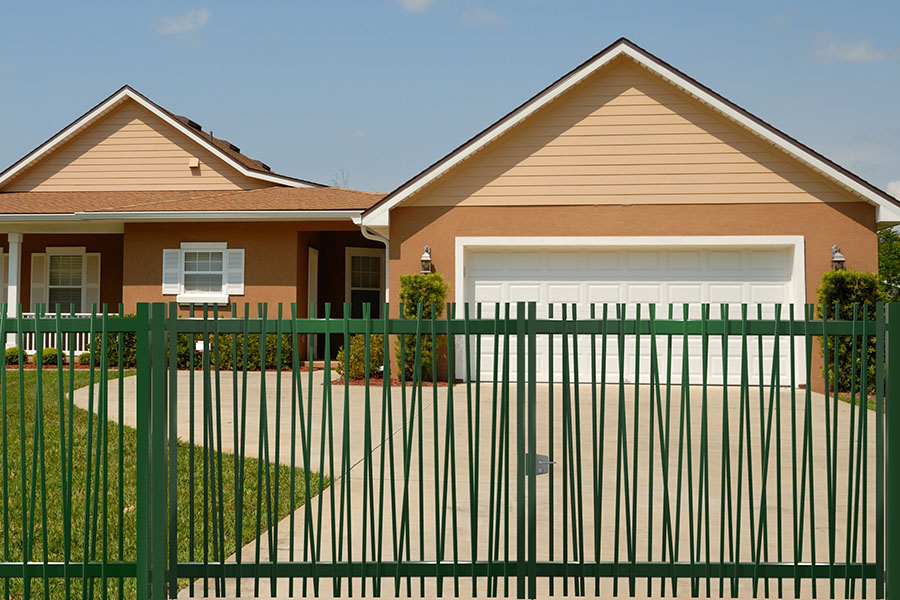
365,280
64,281
65,276
203,272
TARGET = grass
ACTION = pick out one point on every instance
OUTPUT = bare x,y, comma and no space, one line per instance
111,490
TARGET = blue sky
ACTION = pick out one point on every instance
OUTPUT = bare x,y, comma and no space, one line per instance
378,90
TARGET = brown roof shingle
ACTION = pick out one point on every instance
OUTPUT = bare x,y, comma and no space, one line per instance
263,199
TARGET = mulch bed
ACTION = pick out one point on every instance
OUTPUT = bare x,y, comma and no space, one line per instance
378,382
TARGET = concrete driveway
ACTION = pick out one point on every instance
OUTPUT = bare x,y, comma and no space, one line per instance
434,513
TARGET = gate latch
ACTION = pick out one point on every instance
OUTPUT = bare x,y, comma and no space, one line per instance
539,466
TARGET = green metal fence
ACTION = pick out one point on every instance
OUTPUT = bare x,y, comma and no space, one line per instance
715,451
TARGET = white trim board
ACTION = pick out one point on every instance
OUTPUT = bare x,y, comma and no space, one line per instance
128,93
795,242
887,210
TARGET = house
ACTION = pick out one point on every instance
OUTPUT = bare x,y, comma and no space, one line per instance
623,181
627,181
132,203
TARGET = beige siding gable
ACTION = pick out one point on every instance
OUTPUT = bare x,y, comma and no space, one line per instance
625,136
131,149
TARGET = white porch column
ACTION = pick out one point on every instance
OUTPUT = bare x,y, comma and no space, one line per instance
13,277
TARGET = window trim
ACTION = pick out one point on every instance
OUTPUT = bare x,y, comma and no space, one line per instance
209,297
349,253
64,251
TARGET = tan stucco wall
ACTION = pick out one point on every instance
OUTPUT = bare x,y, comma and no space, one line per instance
275,259
130,149
850,225
270,259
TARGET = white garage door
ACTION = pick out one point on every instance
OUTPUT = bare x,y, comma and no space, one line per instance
759,276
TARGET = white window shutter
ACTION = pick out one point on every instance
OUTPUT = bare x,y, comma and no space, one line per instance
91,281
38,280
171,276
234,272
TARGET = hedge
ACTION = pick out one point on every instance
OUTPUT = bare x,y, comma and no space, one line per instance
186,347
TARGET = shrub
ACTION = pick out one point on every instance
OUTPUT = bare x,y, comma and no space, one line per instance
84,358
357,358
889,263
839,293
229,359
429,290
12,355
49,356
186,347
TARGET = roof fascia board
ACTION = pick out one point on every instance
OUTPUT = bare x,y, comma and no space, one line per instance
127,92
379,215
188,215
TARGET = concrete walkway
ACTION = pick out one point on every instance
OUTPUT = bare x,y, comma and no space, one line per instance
432,506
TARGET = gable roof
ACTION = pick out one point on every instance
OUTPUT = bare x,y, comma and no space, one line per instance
887,207
224,150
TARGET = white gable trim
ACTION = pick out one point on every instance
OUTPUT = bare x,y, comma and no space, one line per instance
379,215
128,93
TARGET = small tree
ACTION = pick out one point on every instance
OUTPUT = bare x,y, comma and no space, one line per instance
429,290
844,289
889,263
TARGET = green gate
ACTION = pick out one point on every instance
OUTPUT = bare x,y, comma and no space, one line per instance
715,451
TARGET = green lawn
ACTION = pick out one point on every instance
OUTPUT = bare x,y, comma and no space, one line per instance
111,494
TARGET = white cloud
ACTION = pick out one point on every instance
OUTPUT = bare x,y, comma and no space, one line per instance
475,15
893,188
190,21
415,5
831,50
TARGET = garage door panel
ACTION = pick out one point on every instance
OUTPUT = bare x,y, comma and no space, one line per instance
586,278
724,260
684,260
642,260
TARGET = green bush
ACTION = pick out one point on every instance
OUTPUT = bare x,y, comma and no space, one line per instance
12,355
229,359
839,293
429,290
357,358
84,358
889,263
49,356
186,347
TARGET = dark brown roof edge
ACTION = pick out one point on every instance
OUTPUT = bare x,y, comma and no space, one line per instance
625,41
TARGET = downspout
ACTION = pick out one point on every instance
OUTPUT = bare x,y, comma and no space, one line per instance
375,237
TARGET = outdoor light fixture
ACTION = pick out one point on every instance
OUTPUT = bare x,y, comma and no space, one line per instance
837,259
426,261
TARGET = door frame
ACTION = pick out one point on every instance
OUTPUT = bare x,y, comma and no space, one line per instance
312,290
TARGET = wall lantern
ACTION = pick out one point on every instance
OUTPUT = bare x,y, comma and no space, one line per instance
426,261
837,259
